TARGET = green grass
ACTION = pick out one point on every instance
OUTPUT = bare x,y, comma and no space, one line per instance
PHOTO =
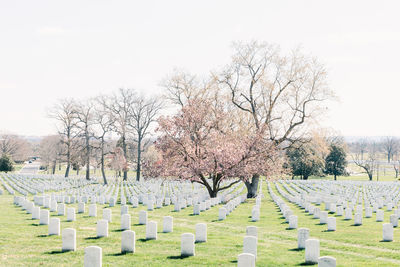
25,243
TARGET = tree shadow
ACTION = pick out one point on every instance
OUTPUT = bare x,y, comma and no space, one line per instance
178,257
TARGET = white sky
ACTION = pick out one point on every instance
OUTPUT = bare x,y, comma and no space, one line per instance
54,49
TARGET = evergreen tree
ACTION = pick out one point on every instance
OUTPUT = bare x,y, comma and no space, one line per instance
335,162
6,164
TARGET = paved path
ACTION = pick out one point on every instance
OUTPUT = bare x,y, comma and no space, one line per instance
30,168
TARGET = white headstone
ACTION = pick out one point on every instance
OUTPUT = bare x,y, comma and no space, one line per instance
250,245
379,215
302,235
246,260
128,242
326,261
54,226
387,232
255,215
61,209
201,232
44,217
81,207
124,209
187,244
93,257
394,220
151,230
222,214
358,219
168,224
331,224
102,228
126,222
251,231
36,213
71,214
323,217
92,210
292,222
142,217
312,250
107,215
69,239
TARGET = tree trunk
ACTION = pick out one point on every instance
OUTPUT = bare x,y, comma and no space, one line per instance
87,157
126,157
252,186
102,162
53,171
335,176
68,162
370,176
139,156
305,177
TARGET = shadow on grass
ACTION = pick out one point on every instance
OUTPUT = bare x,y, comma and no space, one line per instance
234,261
320,224
138,224
93,237
34,224
177,257
295,249
118,230
290,229
119,254
56,252
42,235
307,264
145,240
328,231
385,241
356,225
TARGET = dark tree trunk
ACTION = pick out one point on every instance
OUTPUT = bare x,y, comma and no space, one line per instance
87,156
53,171
102,162
335,176
68,162
126,157
252,186
139,156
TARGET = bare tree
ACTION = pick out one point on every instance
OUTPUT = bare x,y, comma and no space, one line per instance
369,165
281,93
120,107
104,124
84,114
143,114
390,145
64,113
14,146
50,150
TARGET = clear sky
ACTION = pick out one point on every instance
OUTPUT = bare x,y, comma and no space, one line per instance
73,48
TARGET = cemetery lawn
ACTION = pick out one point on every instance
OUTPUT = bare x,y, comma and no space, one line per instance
25,243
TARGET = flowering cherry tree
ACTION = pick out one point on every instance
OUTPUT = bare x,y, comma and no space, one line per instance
201,145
